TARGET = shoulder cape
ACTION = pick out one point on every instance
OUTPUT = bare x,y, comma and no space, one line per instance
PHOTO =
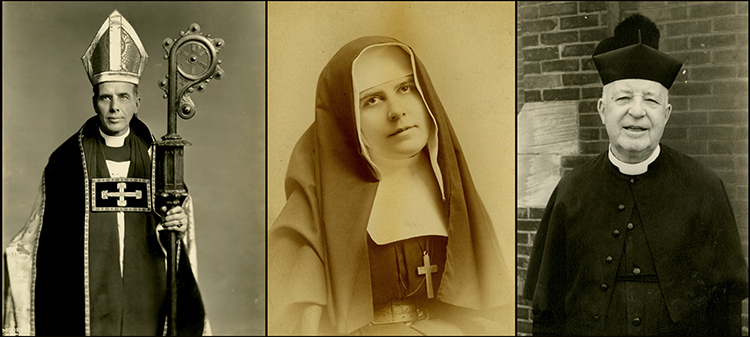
689,224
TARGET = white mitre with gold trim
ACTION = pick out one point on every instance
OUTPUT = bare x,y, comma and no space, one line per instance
116,54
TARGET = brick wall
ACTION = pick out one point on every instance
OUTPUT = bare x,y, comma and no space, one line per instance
709,97
527,223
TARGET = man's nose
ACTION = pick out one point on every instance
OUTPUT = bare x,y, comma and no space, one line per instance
636,107
114,106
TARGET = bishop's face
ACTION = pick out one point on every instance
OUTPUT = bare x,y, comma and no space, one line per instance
394,120
115,104
634,111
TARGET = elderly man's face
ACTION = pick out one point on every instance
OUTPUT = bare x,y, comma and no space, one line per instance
634,112
115,104
394,119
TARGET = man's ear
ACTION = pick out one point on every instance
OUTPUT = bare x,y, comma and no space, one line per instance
600,108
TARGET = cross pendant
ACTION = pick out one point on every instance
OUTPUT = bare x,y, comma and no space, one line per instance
427,270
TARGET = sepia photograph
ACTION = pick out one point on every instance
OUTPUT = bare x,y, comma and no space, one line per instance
390,168
133,168
632,152
356,168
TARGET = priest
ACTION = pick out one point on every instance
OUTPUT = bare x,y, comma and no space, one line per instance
640,240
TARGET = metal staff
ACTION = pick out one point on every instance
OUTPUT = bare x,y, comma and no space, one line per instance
193,63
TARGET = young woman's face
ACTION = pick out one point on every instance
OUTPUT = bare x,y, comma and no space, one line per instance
394,120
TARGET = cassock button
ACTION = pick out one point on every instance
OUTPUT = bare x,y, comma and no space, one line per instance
621,207
609,259
630,225
636,321
604,287
595,318
616,233
632,181
636,270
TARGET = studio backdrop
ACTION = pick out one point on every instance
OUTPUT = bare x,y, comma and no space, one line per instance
468,50
47,97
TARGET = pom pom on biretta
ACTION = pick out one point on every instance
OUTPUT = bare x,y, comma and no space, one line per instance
634,53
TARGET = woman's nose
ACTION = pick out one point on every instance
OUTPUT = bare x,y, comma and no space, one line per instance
396,111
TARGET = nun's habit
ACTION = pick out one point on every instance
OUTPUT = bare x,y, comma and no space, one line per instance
349,252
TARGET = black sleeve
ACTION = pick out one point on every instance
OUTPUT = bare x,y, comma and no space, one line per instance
546,268
726,318
546,323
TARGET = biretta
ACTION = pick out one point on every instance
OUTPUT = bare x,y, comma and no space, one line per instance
116,54
633,52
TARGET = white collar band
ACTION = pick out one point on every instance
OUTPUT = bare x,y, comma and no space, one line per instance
633,169
114,141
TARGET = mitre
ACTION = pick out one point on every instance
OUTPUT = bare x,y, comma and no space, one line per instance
116,54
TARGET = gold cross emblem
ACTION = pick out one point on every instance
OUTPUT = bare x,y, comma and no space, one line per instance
121,194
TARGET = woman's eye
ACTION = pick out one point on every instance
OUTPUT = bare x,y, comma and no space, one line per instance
372,100
404,89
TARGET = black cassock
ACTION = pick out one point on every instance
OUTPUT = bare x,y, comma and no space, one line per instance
656,253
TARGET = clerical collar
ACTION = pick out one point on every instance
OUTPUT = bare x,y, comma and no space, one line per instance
633,169
114,141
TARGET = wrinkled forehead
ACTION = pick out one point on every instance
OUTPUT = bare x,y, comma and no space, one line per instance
115,87
636,86
379,64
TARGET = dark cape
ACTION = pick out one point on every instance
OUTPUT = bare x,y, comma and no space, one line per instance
690,230
319,277
78,289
